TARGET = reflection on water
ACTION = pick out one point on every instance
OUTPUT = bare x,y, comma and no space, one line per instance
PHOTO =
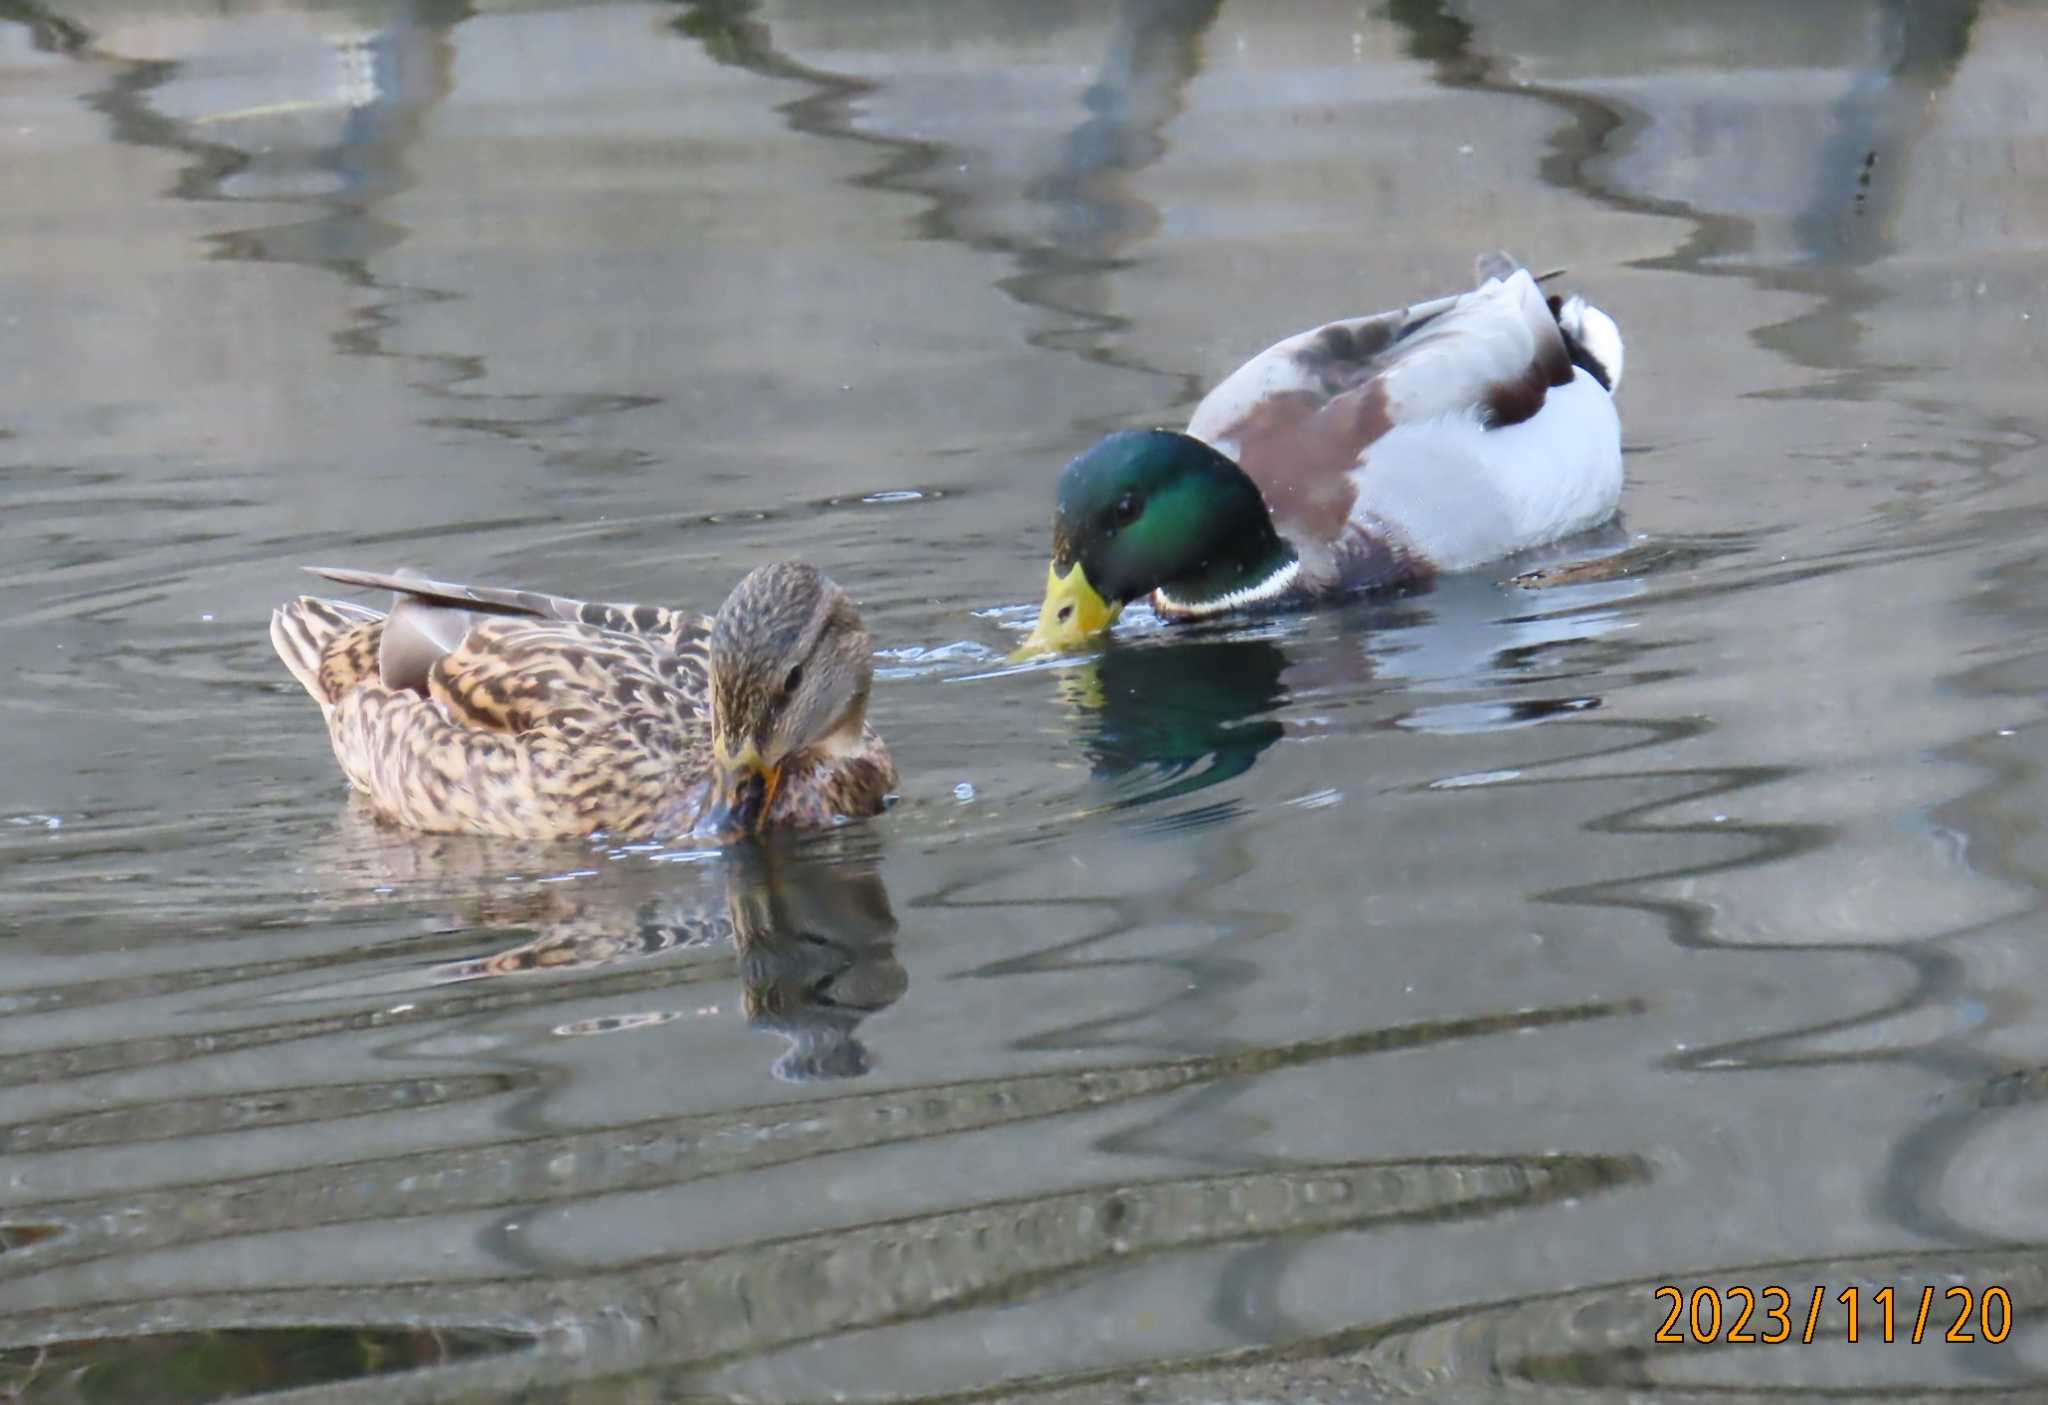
1381,1002
817,956
1173,719
811,936
198,1368
1078,211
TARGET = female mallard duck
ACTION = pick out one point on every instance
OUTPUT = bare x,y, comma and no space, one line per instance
472,710
1373,452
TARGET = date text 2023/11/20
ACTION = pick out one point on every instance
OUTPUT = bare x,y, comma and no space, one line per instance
1768,1316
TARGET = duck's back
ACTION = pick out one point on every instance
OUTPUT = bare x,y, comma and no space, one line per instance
1434,437
501,712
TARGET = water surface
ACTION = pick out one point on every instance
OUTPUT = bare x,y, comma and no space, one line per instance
1370,1005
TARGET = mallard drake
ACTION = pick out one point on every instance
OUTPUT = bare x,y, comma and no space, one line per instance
484,711
1366,453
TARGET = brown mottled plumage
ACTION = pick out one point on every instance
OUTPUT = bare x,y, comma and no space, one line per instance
505,712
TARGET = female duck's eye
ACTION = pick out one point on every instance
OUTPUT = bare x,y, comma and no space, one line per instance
793,681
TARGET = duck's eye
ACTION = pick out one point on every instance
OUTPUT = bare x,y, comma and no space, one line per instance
1125,512
793,681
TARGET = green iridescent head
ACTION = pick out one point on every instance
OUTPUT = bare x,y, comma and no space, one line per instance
1144,510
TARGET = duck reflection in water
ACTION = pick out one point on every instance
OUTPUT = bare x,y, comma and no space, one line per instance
817,947
1167,720
810,924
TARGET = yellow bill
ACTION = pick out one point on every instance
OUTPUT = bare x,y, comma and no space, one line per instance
1072,615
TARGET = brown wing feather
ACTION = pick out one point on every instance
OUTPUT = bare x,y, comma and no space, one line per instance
545,717
430,618
659,621
512,675
429,773
534,729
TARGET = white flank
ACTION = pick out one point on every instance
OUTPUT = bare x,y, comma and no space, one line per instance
1271,588
1460,495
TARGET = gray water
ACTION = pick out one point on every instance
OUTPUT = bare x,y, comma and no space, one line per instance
1375,1004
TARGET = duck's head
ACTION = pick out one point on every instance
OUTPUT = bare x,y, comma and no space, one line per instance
790,671
1145,510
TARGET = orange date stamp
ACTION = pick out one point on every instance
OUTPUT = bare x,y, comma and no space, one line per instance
1773,1314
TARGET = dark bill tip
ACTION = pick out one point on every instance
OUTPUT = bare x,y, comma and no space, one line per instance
738,808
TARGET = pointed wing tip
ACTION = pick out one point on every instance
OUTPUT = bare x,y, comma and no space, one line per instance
401,581
347,575
1503,265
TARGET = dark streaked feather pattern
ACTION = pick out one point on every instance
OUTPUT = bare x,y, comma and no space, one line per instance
524,715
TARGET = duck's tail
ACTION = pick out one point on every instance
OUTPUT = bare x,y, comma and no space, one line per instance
329,645
1592,338
1590,335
